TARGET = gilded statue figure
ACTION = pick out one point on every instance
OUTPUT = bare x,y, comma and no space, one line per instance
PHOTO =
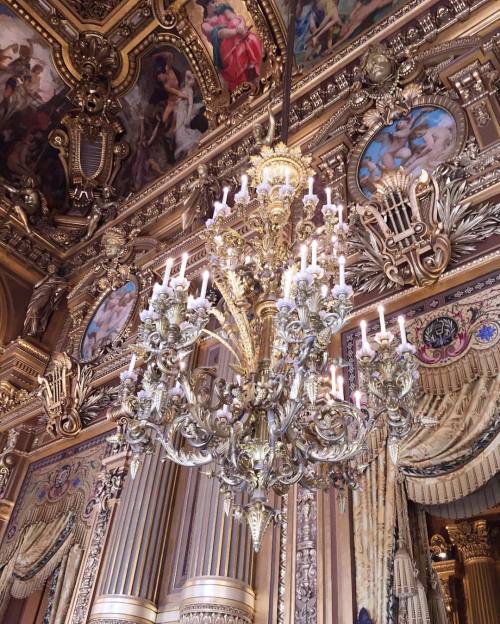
46,295
201,194
28,200
263,136
101,206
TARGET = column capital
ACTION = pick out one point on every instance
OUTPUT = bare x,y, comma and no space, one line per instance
471,539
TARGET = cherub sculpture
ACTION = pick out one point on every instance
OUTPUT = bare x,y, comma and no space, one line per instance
101,206
259,131
28,200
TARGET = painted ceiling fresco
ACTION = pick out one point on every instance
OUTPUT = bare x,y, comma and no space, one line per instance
173,72
32,100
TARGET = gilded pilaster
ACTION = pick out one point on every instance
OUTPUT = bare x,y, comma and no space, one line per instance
221,561
127,589
472,542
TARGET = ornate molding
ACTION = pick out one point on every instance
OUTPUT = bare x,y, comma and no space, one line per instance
108,490
69,401
213,614
306,580
472,539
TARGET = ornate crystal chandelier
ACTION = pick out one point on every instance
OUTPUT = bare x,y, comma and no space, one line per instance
282,417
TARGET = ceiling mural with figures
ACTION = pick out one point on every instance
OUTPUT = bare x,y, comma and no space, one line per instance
164,116
102,103
32,100
324,26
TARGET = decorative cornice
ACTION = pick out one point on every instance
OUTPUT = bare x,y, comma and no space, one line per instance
471,539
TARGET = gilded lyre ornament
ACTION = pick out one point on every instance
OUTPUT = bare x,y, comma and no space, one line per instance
412,228
90,147
402,224
69,400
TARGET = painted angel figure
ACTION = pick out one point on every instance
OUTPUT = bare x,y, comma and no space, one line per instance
45,297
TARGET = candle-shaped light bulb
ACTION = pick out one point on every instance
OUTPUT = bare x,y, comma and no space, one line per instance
131,366
204,285
287,176
324,290
328,192
303,258
311,182
225,193
381,318
314,253
265,175
402,329
333,378
244,184
168,268
340,209
287,286
364,337
184,262
340,387
357,399
341,271
423,177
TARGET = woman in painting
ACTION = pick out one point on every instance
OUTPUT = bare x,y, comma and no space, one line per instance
237,52
186,138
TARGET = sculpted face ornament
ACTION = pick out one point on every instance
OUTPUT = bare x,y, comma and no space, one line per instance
378,67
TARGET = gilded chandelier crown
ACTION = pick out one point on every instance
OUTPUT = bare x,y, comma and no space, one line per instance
280,419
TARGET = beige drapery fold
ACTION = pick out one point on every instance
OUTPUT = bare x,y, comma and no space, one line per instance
35,557
66,580
374,511
464,416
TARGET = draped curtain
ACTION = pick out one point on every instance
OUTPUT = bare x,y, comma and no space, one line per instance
39,551
453,456
374,509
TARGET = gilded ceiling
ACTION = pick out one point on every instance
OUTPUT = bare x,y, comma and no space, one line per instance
107,105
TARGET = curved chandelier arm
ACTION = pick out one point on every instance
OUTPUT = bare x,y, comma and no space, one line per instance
223,342
179,456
